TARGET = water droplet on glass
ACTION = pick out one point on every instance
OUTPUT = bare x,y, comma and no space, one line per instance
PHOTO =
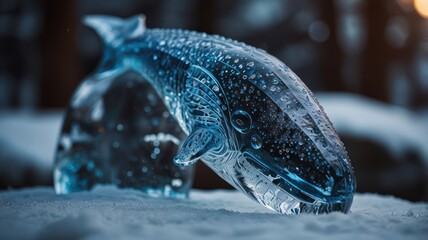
241,121
91,166
301,141
275,81
119,127
256,141
176,182
324,144
130,84
284,98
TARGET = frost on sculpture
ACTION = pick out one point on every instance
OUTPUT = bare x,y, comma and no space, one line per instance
247,115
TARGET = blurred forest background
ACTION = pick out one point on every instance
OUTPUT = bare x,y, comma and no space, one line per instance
376,52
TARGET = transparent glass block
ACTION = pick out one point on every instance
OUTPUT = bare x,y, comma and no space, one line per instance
117,131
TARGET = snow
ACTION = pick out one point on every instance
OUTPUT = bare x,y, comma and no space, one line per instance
33,134
397,129
110,213
27,145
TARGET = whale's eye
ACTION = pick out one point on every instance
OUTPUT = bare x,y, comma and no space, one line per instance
241,121
256,141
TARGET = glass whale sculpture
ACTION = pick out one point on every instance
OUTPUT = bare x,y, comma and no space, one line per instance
247,115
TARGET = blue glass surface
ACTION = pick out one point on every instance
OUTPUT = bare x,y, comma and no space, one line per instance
246,114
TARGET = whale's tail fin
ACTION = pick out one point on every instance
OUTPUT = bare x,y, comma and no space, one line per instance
114,31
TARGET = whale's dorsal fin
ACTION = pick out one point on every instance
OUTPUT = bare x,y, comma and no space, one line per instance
197,145
114,30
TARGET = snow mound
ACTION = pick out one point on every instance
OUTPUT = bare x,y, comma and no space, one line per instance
110,213
27,145
396,128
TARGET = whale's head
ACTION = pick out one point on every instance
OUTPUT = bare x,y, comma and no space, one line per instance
263,131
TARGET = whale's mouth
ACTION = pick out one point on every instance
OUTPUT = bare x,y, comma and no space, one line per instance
295,185
278,192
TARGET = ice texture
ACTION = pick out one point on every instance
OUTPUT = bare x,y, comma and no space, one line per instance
115,131
248,116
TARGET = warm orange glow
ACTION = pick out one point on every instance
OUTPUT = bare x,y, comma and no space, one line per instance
421,7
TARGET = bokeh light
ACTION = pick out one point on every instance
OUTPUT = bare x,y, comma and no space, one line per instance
421,7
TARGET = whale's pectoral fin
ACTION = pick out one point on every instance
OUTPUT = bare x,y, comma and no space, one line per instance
200,142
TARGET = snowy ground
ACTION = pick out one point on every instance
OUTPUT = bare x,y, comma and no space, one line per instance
110,213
